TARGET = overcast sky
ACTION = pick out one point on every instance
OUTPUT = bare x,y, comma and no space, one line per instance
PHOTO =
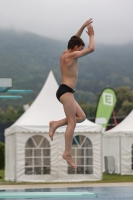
60,19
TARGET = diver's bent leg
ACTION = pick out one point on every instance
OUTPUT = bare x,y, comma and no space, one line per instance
53,125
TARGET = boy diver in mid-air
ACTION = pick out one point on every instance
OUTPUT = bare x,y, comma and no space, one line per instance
69,73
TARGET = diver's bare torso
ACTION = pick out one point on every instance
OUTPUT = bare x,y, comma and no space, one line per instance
69,70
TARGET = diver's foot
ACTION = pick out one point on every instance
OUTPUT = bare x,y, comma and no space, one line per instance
52,128
69,159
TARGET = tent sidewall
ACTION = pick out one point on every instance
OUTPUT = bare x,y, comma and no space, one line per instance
126,155
10,157
15,159
119,145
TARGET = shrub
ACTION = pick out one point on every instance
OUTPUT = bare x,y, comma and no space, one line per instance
2,155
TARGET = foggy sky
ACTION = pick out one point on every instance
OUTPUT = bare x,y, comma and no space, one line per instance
60,19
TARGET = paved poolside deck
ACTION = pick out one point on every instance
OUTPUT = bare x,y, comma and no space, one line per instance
63,185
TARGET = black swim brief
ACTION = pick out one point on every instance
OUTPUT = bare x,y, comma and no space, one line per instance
62,90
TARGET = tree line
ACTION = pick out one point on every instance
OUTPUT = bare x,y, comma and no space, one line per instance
123,106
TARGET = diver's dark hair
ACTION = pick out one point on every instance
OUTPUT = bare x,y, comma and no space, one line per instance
75,41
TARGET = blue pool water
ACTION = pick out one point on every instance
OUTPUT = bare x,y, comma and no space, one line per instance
105,193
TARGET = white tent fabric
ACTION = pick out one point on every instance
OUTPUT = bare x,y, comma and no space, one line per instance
35,121
118,142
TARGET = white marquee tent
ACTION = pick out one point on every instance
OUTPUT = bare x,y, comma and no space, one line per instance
32,156
118,142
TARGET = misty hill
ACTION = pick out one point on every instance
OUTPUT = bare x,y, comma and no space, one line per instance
28,58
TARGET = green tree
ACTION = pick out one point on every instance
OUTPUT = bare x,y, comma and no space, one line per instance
2,155
124,103
125,108
10,114
2,116
89,109
20,111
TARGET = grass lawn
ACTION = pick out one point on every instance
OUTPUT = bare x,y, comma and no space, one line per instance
1,176
107,178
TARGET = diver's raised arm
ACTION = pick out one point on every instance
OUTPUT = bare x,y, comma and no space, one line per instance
80,31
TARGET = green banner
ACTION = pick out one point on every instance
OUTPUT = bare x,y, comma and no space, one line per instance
105,107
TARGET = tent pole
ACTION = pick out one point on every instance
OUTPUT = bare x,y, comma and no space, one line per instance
101,156
120,152
15,158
